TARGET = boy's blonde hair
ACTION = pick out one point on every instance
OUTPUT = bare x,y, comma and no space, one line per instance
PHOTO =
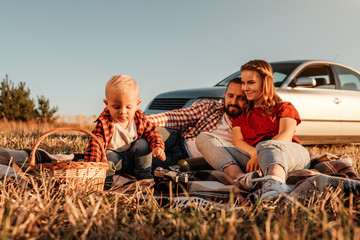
118,83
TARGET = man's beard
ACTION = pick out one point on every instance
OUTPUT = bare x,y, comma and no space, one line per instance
233,114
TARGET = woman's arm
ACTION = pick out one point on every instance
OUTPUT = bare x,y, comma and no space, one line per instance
252,164
239,140
287,127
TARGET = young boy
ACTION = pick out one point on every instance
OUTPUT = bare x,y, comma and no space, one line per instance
125,132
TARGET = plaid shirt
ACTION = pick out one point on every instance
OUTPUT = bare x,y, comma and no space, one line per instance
104,130
191,121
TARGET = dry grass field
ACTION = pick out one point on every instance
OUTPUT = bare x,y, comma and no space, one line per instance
46,212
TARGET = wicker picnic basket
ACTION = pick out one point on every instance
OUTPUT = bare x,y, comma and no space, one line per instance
86,175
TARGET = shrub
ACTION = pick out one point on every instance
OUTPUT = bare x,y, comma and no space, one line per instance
16,104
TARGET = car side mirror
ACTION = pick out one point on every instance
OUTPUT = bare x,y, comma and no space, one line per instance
306,82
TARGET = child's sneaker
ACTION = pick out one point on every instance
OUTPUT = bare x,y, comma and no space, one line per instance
246,182
272,187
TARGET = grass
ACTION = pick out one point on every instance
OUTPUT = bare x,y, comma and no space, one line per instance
44,211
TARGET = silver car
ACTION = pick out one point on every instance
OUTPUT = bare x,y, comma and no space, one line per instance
326,94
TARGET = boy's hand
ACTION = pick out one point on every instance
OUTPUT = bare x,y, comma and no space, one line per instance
159,153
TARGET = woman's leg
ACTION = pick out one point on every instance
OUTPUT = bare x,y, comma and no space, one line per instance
276,159
285,156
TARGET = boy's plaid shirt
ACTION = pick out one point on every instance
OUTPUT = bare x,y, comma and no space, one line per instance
191,121
104,130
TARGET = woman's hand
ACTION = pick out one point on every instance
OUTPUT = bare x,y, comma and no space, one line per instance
159,153
252,164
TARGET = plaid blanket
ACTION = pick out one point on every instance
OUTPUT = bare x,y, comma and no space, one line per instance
327,170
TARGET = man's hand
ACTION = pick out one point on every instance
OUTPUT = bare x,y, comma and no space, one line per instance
252,164
159,153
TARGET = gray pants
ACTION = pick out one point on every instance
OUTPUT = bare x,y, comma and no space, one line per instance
220,154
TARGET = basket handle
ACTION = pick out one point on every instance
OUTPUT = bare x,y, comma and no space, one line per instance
37,143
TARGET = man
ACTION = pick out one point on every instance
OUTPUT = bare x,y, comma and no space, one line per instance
206,116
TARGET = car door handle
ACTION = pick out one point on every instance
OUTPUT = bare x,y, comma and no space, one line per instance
337,100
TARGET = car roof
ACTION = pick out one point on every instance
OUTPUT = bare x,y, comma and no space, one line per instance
303,61
292,61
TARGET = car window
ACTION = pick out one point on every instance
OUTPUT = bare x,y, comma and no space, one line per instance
321,74
281,72
228,79
279,78
349,80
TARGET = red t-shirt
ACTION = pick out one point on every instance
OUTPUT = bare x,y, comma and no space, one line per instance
257,127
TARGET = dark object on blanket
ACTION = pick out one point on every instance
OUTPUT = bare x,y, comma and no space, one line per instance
78,157
192,164
41,156
172,174
167,180
175,174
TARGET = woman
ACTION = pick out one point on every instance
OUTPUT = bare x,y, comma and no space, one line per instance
266,130
263,136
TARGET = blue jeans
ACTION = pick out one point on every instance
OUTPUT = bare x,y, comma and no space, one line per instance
135,161
220,154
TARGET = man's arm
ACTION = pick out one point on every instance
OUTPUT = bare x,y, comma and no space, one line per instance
180,118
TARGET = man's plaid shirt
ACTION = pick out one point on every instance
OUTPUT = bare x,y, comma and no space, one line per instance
104,130
191,121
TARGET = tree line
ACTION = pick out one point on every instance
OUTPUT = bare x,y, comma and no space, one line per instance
16,103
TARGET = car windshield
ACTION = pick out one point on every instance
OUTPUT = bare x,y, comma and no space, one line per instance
281,72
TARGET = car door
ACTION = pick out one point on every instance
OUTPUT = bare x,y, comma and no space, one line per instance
349,82
317,105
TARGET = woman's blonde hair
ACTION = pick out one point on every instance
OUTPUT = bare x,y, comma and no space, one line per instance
268,98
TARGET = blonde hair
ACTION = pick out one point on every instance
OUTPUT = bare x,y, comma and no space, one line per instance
268,98
118,83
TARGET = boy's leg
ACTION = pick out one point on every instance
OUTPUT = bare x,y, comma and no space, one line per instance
141,155
115,161
174,148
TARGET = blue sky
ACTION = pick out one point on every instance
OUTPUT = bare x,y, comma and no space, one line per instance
67,50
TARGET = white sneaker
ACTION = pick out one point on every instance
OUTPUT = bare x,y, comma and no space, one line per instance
246,183
272,187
